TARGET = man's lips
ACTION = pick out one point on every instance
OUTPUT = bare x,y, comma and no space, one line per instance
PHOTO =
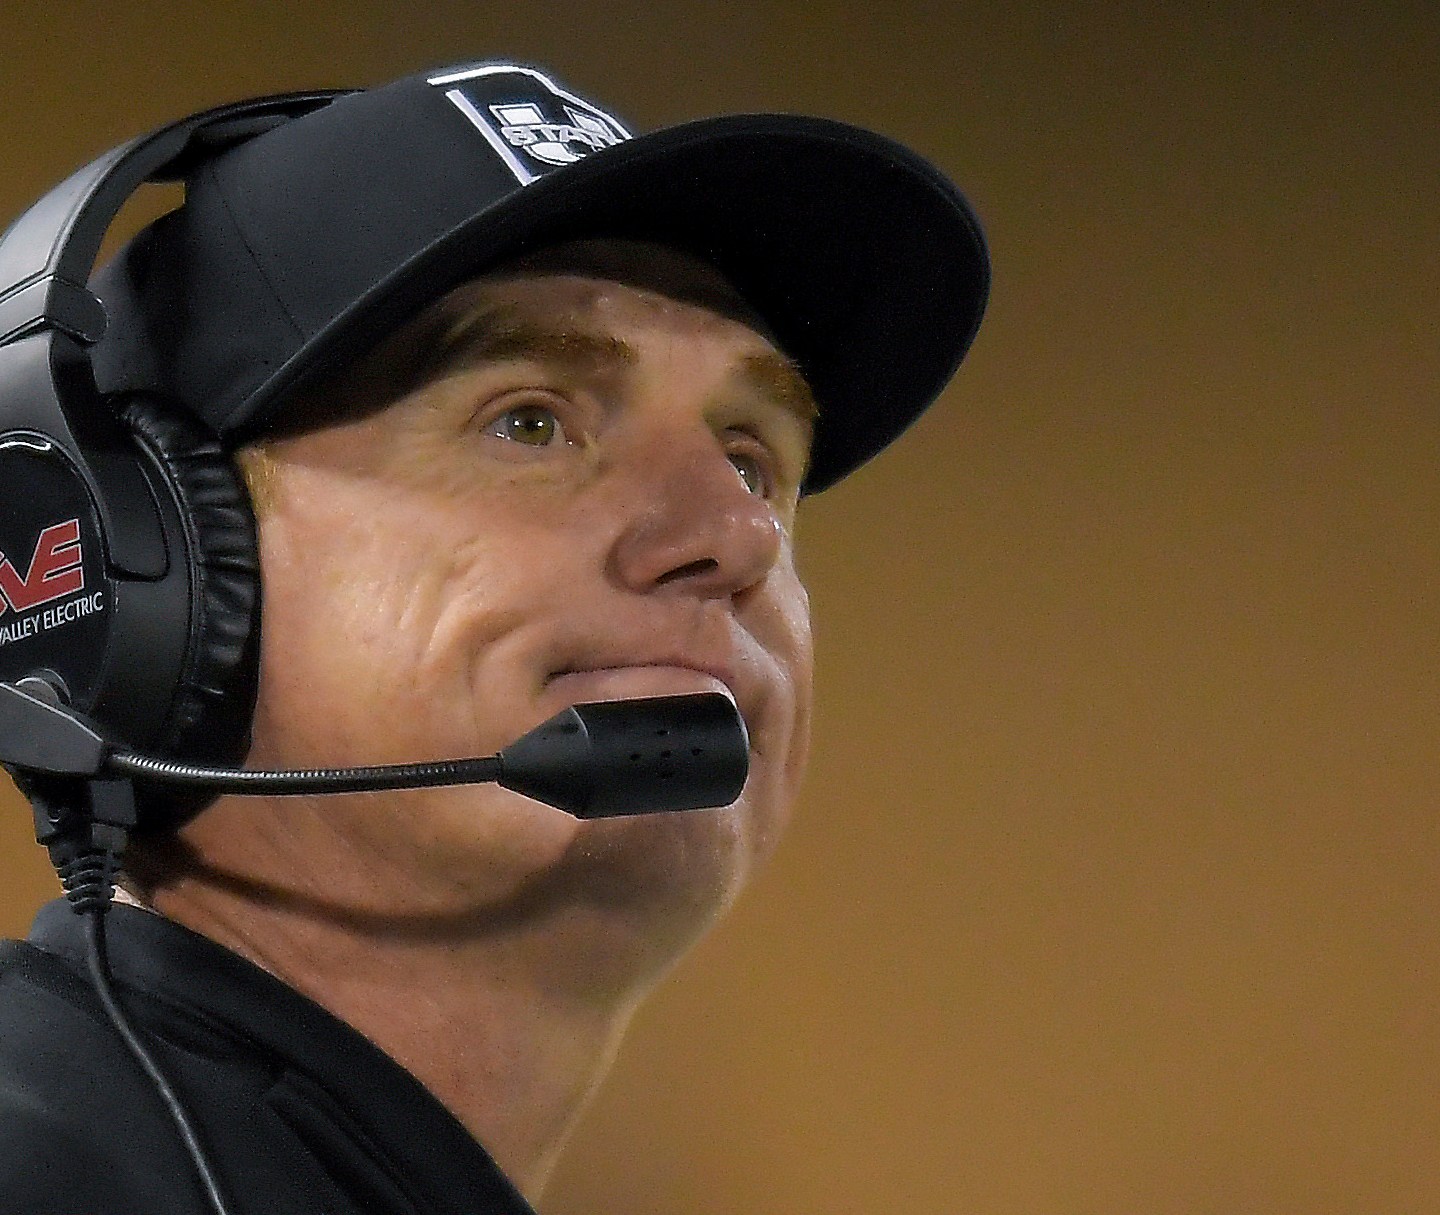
614,681
619,668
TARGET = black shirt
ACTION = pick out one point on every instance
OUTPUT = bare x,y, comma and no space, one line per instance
301,1114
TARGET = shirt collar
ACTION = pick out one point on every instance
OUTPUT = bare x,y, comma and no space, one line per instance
176,979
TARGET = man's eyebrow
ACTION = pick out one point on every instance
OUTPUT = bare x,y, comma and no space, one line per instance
779,379
496,335
501,333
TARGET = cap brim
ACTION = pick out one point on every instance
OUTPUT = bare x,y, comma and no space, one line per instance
867,264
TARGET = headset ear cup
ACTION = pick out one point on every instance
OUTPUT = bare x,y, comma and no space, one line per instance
210,715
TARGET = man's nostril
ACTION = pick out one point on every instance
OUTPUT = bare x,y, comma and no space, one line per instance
690,569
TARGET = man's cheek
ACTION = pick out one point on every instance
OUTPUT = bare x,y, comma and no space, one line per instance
784,627
341,609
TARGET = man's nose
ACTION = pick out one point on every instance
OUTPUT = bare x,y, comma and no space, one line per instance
695,527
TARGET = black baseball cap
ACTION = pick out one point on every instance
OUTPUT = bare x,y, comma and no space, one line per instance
298,249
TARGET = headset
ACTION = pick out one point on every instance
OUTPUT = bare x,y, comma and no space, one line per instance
122,517
127,525
130,596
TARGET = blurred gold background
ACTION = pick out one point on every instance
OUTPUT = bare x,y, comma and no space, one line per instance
1115,886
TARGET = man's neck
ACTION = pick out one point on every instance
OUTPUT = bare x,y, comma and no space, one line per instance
471,1008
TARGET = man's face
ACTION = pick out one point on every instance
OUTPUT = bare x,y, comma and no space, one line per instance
594,500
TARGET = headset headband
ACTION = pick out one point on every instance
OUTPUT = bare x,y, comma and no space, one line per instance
48,253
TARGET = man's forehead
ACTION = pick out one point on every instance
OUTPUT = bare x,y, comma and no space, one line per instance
566,325
504,313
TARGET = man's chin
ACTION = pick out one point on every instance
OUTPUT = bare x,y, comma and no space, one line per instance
690,856
501,853
665,878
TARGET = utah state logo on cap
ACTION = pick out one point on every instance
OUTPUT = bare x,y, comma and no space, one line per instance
531,122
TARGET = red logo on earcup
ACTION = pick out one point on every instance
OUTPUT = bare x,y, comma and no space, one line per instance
55,570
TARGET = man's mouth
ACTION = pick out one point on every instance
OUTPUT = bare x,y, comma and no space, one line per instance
617,680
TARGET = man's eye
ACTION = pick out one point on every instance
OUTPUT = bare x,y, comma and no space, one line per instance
533,425
752,472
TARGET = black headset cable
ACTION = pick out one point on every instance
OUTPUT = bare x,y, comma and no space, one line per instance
99,963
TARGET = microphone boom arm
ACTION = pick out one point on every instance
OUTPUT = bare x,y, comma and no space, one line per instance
623,757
